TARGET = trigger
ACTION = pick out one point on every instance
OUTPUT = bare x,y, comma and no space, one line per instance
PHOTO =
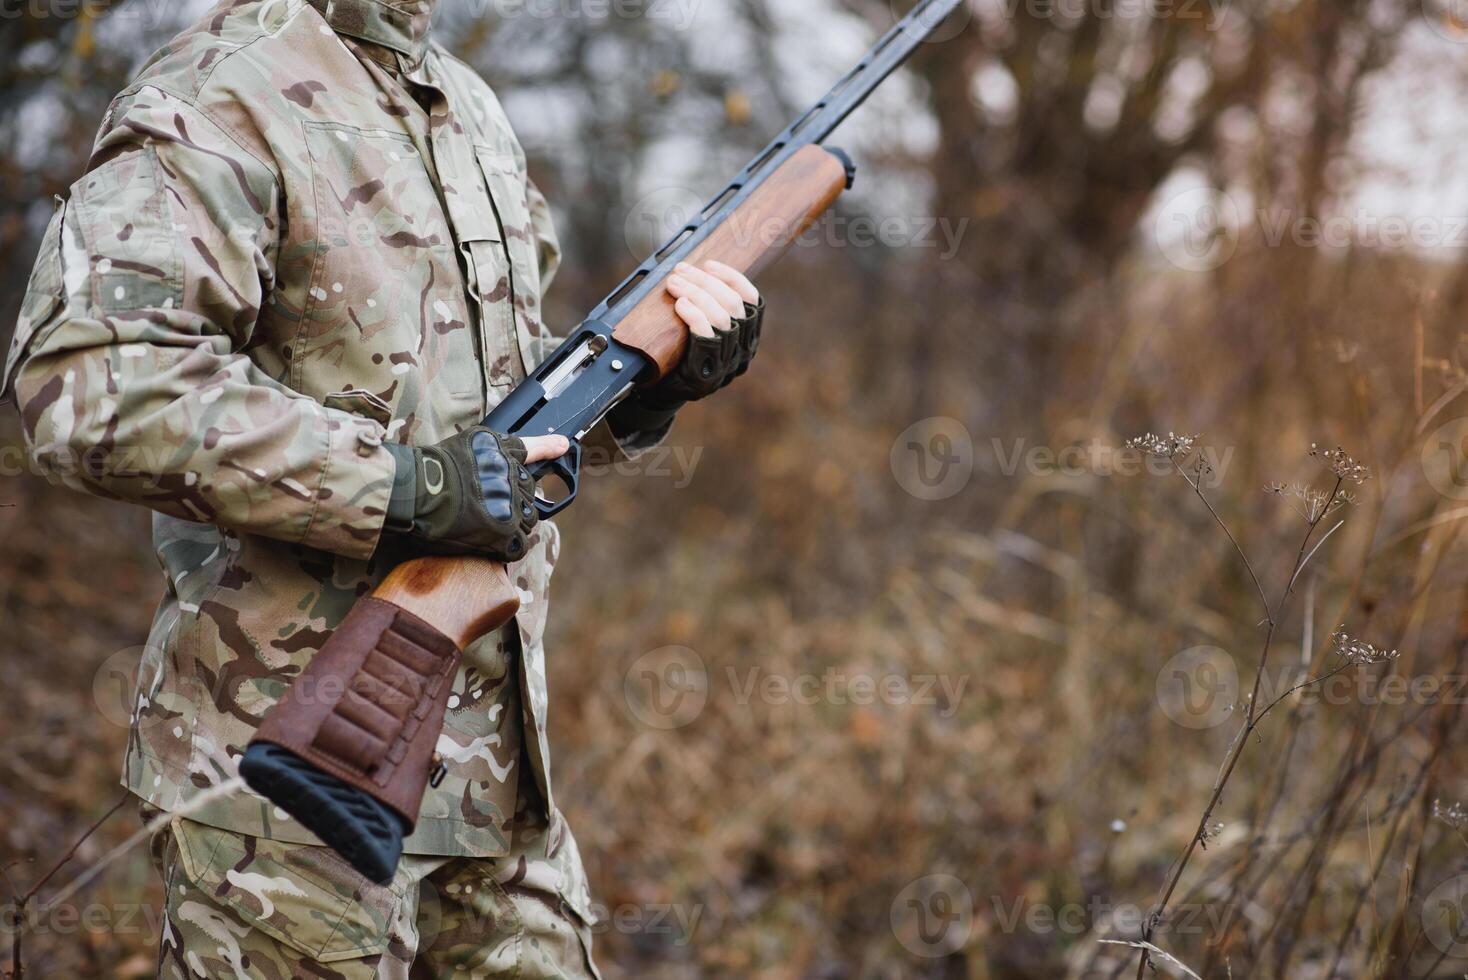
568,468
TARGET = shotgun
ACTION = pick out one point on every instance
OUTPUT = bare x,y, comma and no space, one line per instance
349,750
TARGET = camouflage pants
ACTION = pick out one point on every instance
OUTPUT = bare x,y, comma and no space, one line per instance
240,906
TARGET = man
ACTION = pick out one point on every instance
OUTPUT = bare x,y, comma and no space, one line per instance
304,263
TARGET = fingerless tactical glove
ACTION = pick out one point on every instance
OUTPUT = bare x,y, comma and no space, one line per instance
709,364
471,494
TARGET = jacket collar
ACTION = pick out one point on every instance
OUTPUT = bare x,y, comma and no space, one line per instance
401,25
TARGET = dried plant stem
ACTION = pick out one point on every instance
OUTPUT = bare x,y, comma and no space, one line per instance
18,915
1247,882
227,788
1353,769
1380,863
1252,715
17,969
1223,526
1339,811
1300,687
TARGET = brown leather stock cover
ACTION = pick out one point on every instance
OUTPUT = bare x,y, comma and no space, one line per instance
370,706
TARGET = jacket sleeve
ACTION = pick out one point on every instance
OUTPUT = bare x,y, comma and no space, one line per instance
547,243
127,363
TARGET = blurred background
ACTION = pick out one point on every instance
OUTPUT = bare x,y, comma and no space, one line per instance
894,663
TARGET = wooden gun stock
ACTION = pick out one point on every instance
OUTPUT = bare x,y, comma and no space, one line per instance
463,598
351,748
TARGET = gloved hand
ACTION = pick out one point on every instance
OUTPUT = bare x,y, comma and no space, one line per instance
724,313
471,494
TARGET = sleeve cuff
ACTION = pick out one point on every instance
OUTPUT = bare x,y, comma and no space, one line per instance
633,417
404,503
355,490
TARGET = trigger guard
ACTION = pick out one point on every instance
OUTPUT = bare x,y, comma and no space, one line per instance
568,468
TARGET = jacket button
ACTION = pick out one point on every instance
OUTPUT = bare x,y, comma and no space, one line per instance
368,441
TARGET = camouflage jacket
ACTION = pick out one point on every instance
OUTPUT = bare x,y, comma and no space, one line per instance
305,230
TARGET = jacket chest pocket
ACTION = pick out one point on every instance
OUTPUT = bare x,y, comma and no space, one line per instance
507,268
385,307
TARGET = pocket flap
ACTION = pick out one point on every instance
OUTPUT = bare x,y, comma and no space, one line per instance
303,896
494,161
506,184
476,224
477,216
361,402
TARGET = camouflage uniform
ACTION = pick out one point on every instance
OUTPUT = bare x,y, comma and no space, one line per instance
305,230
241,906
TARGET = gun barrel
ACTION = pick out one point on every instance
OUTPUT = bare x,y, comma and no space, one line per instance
623,342
813,126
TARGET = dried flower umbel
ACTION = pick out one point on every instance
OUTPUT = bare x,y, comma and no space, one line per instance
1359,652
1171,446
1311,503
1314,504
1452,814
1339,462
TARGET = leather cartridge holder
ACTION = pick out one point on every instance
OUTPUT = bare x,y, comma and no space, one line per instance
369,707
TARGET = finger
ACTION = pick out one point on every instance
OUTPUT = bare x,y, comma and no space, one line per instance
514,447
696,319
736,281
715,287
713,310
540,448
